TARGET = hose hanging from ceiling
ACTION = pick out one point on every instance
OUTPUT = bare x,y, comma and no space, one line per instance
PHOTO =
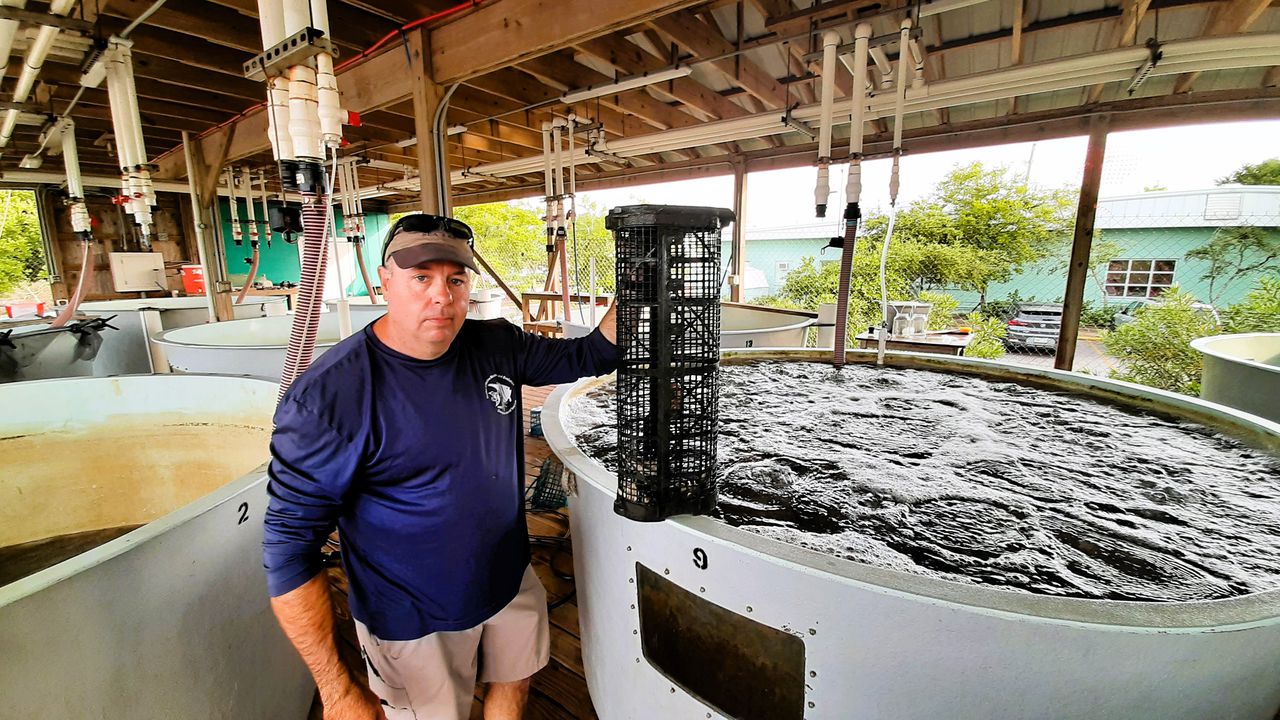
899,104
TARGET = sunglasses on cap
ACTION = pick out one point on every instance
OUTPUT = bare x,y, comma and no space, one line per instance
423,223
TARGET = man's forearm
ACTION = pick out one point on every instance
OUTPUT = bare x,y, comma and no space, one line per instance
609,324
306,615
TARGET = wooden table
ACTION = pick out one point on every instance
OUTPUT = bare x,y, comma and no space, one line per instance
937,343
290,294
546,320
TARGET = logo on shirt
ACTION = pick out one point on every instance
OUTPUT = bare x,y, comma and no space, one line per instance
501,392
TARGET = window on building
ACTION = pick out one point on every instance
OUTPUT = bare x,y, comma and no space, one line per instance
1139,278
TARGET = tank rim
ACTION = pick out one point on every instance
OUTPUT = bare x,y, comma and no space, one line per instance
1260,608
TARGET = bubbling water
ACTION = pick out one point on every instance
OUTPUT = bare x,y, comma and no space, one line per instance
986,482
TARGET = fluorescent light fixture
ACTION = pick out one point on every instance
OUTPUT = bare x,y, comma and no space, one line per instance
457,129
31,162
630,83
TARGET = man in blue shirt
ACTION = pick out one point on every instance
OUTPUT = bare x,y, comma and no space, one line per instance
407,437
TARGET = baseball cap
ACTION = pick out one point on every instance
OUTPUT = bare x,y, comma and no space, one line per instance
419,238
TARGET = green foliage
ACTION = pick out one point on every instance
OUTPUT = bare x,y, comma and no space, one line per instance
21,250
991,222
512,238
1006,308
1234,253
1259,311
1097,316
1101,252
944,307
1266,172
988,336
1155,349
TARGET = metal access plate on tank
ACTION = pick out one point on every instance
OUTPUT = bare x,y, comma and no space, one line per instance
742,668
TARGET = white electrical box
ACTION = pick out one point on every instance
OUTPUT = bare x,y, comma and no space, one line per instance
138,271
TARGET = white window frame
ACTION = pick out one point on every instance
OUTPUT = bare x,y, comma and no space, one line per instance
1132,278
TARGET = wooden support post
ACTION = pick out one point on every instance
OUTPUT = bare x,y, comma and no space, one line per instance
202,178
738,271
426,100
1082,243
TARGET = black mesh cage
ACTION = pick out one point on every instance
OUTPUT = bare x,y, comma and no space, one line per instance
668,296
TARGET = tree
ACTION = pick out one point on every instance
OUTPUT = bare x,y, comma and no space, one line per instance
1266,172
1259,311
511,237
21,250
990,212
1101,252
1234,253
1155,349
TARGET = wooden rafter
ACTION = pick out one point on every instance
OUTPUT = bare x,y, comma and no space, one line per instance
704,39
1124,32
1228,18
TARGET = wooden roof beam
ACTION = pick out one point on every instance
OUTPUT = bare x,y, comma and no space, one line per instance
1228,18
1124,31
705,40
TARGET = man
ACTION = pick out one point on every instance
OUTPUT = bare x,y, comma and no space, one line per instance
407,437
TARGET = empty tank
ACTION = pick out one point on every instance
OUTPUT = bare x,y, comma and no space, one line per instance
131,353
1242,371
758,326
131,518
42,352
246,347
843,639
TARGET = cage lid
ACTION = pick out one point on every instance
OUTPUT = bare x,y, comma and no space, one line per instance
682,216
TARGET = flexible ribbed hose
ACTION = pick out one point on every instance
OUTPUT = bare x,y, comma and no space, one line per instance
306,319
364,273
253,272
86,270
842,294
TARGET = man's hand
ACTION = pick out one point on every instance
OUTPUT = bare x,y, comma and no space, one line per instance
355,703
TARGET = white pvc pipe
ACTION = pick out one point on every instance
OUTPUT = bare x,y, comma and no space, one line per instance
266,209
8,28
1226,52
271,22
320,16
557,176
882,64
304,118
297,15
899,106
857,112
822,189
250,211
237,233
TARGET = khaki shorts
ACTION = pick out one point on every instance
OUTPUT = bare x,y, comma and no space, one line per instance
434,677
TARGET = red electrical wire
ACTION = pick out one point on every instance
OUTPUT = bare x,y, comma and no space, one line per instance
358,58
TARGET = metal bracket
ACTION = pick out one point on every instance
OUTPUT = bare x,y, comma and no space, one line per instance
295,50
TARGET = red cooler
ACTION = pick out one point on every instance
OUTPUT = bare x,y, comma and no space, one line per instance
193,279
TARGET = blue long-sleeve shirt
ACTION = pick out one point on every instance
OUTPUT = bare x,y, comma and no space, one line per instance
419,464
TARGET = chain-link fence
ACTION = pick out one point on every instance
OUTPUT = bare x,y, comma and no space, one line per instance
1165,268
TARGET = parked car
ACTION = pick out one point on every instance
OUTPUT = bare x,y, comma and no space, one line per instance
1034,327
1129,312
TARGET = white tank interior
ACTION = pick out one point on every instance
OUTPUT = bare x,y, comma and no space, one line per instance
1243,372
182,595
851,640
754,326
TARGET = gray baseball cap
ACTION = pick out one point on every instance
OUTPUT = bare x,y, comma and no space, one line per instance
411,249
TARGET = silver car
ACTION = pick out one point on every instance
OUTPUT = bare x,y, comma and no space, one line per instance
1129,312
1034,327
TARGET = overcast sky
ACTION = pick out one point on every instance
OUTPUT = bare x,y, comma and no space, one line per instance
1184,158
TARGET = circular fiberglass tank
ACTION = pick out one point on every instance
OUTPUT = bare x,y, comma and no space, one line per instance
130,552
758,326
692,617
1242,371
246,347
43,352
131,353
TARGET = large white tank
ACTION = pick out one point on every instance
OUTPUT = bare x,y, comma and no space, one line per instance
130,537
42,352
247,347
1242,371
676,612
131,353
